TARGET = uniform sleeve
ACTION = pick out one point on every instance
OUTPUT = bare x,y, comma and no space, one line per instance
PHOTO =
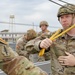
13,64
33,45
6,53
20,47
22,66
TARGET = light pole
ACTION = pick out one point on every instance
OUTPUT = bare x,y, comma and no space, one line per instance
12,23
12,20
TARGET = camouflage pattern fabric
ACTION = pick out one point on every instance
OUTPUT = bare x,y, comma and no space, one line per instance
43,23
42,36
30,48
62,44
13,64
45,34
66,9
21,42
22,66
21,48
31,34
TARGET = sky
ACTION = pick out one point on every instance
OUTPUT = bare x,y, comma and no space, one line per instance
28,14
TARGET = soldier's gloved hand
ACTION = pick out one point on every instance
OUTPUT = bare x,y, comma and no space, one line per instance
46,43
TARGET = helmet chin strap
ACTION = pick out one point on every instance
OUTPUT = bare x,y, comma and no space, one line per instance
71,25
72,19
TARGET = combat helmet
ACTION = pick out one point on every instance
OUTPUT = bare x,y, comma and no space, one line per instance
66,9
43,23
31,34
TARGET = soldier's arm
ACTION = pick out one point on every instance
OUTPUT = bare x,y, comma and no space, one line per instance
13,64
35,44
21,52
19,46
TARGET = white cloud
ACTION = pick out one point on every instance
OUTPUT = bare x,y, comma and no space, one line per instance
34,16
44,6
29,11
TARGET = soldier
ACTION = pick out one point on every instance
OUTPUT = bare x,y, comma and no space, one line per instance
44,31
21,42
63,47
13,64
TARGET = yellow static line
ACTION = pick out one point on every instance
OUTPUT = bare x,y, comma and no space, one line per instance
54,36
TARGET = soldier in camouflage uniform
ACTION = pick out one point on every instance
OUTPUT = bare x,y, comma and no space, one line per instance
35,52
13,64
21,42
63,47
44,31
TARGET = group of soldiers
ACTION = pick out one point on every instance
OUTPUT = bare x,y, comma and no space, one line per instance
19,63
61,50
30,35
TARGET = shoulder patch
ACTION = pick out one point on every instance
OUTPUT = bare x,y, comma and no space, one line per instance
3,41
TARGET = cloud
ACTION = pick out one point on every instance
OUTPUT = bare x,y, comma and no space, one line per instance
43,6
30,12
34,16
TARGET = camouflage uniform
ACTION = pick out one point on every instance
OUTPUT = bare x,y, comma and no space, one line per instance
21,42
43,23
13,64
62,44
58,48
33,54
30,48
41,33
42,36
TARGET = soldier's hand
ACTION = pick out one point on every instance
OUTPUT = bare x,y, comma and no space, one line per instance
45,43
68,60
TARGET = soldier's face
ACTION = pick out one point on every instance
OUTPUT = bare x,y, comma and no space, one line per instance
28,38
66,20
43,27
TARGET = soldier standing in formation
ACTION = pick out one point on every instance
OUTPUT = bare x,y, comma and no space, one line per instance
33,54
41,35
44,31
63,48
21,42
